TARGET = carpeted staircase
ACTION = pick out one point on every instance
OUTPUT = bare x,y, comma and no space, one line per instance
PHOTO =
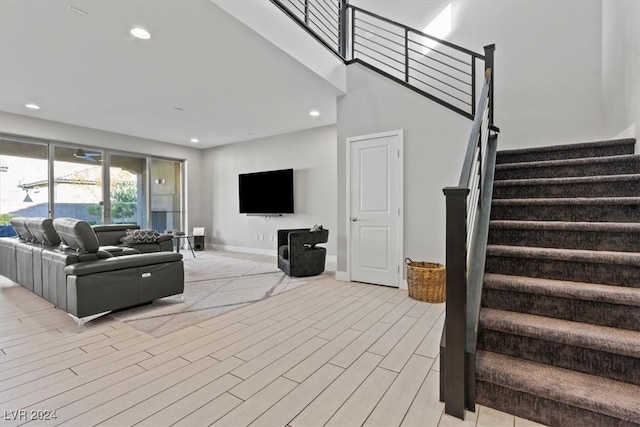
559,339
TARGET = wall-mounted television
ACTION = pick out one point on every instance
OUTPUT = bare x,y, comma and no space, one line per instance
266,193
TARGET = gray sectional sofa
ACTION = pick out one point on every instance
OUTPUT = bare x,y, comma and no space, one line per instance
61,261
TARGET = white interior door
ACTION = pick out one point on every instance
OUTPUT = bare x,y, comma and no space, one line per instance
375,226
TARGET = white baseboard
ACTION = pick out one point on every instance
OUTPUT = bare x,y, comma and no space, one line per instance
258,251
342,276
245,250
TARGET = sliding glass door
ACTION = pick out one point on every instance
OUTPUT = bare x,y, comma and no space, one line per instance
77,183
128,193
166,195
46,179
24,180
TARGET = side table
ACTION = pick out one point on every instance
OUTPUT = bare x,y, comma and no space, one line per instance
178,239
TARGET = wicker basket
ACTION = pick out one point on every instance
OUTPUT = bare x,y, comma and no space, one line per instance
426,281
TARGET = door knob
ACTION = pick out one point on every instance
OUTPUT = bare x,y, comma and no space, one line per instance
354,219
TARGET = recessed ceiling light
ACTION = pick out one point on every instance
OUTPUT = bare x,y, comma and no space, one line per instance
195,140
32,106
314,113
140,33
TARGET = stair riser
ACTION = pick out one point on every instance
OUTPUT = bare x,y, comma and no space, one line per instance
629,188
579,213
540,409
610,168
563,239
579,359
578,153
538,391
605,274
576,310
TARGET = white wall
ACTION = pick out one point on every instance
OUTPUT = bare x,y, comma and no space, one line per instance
311,154
54,131
621,68
274,25
548,58
435,140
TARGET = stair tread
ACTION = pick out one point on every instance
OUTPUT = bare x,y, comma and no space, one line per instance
578,334
568,162
567,180
616,227
593,393
570,147
575,255
569,201
601,169
622,295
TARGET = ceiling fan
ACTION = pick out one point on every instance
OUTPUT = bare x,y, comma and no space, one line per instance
86,155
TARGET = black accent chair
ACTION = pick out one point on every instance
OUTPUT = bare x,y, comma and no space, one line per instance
298,255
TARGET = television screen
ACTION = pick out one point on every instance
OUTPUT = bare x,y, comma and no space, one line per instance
269,192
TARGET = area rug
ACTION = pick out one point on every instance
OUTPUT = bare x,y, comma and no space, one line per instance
215,282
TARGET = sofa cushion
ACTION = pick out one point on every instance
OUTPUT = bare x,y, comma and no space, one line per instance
43,231
20,225
120,263
77,234
110,234
144,248
140,236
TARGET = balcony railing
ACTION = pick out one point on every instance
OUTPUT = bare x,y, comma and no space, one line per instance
435,68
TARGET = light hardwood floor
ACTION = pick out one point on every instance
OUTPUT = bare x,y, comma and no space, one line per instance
328,353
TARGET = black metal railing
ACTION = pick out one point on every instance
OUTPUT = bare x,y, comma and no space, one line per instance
467,215
435,68
324,19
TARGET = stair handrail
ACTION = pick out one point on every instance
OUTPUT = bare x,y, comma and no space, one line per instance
446,77
468,207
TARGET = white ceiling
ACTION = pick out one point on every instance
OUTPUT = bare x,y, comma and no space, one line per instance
232,84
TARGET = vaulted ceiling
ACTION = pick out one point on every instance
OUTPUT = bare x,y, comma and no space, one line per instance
202,74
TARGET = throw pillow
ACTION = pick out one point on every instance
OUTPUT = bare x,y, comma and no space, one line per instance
140,236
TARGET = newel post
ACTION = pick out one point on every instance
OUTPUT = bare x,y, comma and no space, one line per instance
488,63
456,305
